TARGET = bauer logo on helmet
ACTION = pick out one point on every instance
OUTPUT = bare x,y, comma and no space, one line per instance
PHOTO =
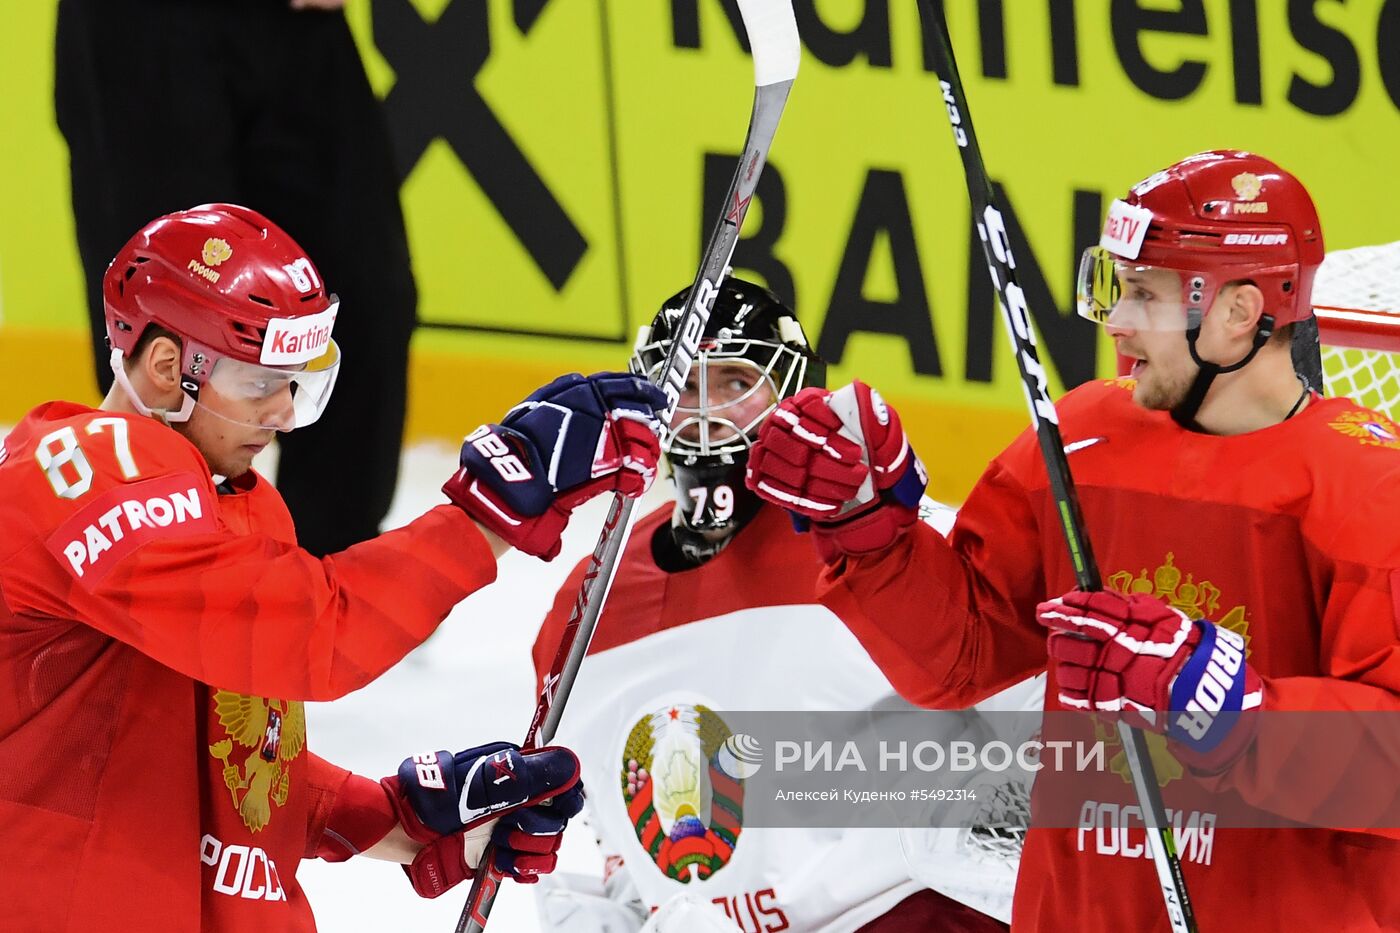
1255,239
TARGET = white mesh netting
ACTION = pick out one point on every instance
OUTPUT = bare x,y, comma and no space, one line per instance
1366,279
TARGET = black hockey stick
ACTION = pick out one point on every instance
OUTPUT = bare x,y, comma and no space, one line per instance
1002,267
772,32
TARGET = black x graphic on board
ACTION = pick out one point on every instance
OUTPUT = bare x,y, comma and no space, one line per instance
435,96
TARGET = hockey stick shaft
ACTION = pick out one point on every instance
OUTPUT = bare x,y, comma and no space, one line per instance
772,32
1001,264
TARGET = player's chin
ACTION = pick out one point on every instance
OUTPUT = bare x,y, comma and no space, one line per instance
236,463
1151,393
1145,394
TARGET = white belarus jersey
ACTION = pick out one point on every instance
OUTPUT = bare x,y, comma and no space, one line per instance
671,653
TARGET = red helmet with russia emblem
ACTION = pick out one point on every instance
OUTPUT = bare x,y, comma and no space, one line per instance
1182,234
250,308
1215,218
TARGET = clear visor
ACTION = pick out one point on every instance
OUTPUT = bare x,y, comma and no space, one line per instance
1121,293
278,398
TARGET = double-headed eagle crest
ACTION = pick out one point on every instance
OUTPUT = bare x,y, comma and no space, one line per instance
1247,185
1371,429
215,251
274,733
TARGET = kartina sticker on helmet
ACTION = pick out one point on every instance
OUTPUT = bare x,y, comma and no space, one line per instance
1125,228
290,341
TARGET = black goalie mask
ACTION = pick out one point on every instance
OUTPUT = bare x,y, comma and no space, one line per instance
753,354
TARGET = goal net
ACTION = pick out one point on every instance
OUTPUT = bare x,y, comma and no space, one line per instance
1356,297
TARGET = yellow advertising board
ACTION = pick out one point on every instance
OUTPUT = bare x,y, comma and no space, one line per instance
563,160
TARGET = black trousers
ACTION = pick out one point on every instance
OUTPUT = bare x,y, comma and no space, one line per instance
167,104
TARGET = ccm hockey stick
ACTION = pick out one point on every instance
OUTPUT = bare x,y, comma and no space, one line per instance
772,32
1002,267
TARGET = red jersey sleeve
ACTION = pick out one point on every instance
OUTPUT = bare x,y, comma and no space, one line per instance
113,522
348,813
952,621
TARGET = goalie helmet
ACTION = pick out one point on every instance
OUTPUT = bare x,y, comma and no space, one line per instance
250,309
752,355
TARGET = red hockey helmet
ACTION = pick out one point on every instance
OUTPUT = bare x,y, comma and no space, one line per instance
1213,218
249,307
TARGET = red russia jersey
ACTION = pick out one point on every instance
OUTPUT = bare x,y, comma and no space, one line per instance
147,778
1285,535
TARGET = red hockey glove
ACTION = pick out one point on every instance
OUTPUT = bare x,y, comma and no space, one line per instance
574,439
520,800
527,845
1141,658
840,461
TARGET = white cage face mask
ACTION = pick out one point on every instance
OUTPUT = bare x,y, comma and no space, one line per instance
722,405
733,385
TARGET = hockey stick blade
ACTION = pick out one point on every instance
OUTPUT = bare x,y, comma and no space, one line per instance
1001,265
772,32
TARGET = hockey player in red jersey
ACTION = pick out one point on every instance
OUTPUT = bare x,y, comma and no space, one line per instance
1242,523
705,591
160,629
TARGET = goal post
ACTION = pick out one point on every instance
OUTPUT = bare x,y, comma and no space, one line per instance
1356,298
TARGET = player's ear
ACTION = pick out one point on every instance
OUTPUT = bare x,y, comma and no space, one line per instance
161,365
1244,305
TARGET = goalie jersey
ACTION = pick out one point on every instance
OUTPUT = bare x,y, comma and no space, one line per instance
671,653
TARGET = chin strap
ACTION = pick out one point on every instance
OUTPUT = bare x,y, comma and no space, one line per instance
165,415
1185,413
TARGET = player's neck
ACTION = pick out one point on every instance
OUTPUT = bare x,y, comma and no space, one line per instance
1264,393
117,401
